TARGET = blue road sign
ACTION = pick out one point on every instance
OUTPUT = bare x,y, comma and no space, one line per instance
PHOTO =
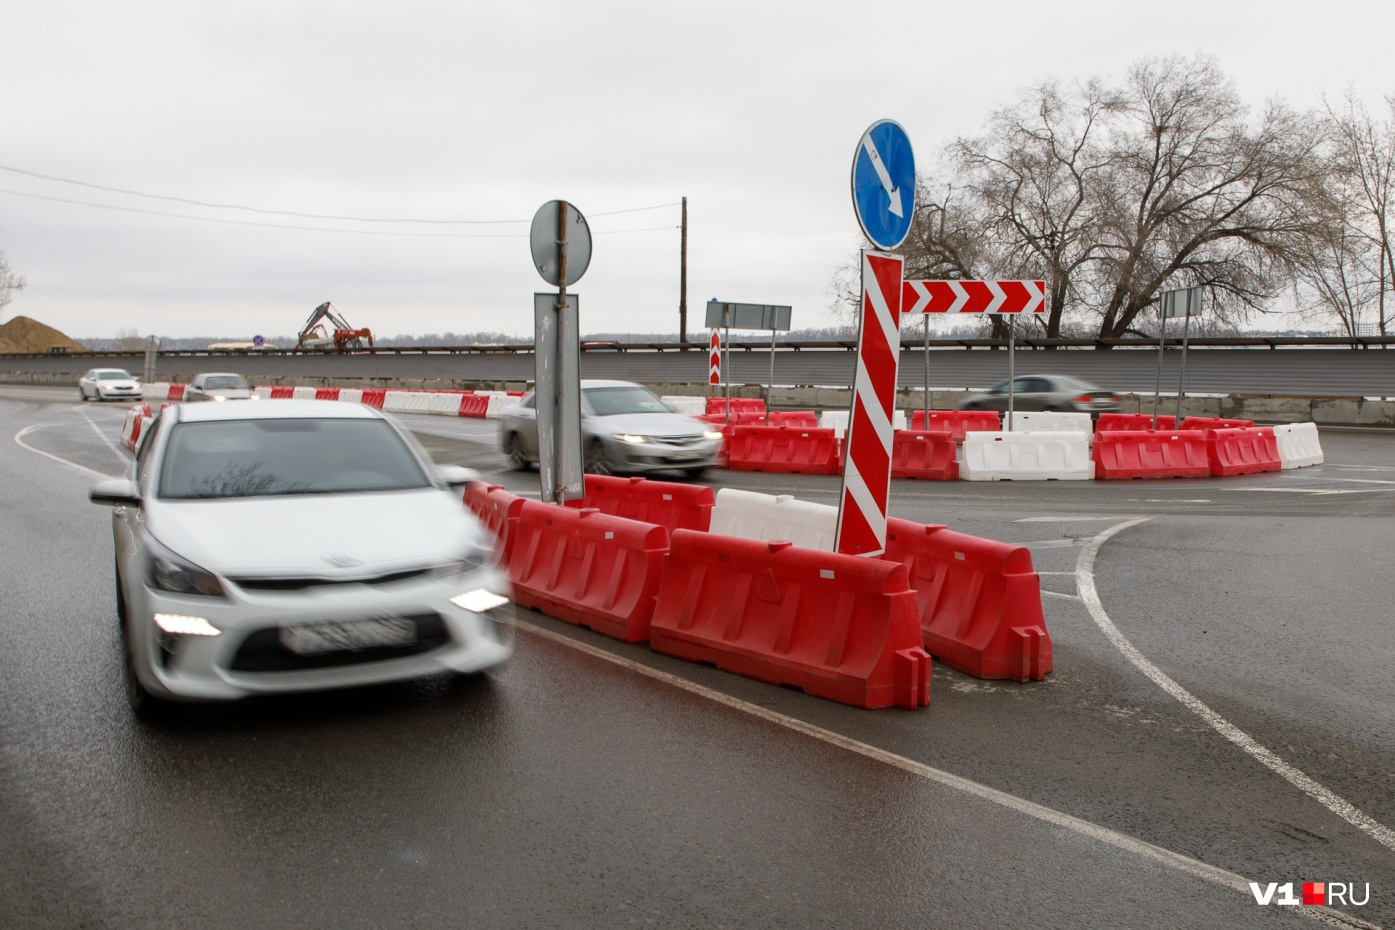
883,184
258,341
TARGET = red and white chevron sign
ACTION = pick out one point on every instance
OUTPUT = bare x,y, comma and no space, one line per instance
995,297
867,462
714,358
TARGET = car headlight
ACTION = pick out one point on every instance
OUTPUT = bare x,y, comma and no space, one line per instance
254,397
176,574
712,434
219,397
631,437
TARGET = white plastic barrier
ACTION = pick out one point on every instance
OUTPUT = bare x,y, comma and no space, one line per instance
1298,445
300,392
763,517
998,456
1049,421
445,404
498,403
837,420
688,406
407,402
137,422
155,390
264,393
351,395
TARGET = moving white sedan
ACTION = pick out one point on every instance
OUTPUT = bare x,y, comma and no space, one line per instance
302,545
108,383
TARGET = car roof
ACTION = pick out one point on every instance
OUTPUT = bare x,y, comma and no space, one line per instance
276,410
219,374
601,382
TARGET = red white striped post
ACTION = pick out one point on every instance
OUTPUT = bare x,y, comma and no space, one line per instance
714,358
867,458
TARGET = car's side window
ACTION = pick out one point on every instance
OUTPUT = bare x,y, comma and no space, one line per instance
143,456
529,402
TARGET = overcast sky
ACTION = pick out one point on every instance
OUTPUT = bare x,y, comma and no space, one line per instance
484,111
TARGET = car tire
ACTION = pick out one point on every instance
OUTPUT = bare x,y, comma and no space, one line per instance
144,705
82,395
595,462
696,472
513,449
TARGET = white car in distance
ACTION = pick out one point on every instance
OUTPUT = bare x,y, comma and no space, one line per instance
296,546
109,384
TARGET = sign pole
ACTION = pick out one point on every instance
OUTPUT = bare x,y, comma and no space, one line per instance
726,368
1012,368
925,318
1186,327
1162,334
770,384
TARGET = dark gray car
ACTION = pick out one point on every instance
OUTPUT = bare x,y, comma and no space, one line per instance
1045,392
624,429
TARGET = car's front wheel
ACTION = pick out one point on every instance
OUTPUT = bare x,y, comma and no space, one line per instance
595,461
513,449
697,472
143,704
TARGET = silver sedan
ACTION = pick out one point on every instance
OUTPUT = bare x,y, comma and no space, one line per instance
624,429
302,545
218,385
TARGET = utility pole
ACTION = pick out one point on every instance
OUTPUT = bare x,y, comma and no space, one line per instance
683,279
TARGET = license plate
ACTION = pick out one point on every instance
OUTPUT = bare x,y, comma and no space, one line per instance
356,634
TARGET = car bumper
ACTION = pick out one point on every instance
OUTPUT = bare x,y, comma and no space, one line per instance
118,393
247,658
658,456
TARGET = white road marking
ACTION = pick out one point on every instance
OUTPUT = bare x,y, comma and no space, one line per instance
120,454
1339,806
1157,854
1067,519
19,440
1052,544
1061,594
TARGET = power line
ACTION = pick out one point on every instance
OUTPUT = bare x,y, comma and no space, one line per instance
351,232
308,216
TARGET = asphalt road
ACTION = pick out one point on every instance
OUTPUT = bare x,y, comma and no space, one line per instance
1221,712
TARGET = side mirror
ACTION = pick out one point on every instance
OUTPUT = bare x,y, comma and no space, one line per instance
116,492
455,475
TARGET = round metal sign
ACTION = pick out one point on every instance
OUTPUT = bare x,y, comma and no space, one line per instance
883,184
560,239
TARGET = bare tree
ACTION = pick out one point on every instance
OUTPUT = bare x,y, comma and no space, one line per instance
10,282
128,339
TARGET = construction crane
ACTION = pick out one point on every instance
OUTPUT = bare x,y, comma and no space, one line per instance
314,336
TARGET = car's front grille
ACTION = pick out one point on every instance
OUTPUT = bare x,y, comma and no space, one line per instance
262,651
677,440
297,584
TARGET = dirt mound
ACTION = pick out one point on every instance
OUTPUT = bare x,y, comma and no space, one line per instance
22,334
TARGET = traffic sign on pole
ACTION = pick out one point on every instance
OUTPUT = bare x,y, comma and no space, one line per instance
990,297
714,358
883,184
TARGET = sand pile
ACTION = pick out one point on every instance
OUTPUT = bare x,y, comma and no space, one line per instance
22,334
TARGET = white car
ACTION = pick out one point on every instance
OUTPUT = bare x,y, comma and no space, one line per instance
218,385
625,429
108,384
303,545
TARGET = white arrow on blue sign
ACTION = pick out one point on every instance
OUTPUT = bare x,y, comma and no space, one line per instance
883,184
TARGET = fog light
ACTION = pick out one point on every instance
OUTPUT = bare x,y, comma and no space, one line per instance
187,626
479,600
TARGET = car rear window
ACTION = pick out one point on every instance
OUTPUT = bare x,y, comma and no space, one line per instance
274,457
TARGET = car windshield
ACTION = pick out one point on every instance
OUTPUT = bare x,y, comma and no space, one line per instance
114,374
624,398
225,382
264,458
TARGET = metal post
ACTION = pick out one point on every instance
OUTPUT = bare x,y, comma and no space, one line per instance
1182,379
148,375
1012,368
726,359
1157,384
551,494
770,385
926,328
683,278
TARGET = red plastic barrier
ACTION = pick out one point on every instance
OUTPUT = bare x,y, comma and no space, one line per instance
665,503
326,393
1110,422
587,567
513,393
1242,451
374,397
836,626
805,419
282,392
925,454
958,422
980,600
783,449
738,405
496,508
1148,454
176,392
474,405
1206,424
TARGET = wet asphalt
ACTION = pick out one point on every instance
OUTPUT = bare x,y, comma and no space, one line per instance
571,789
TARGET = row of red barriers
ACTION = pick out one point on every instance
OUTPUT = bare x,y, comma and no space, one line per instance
926,454
783,449
1242,450
1110,422
474,405
738,405
283,392
1207,424
176,392
1144,453
326,393
825,622
957,422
